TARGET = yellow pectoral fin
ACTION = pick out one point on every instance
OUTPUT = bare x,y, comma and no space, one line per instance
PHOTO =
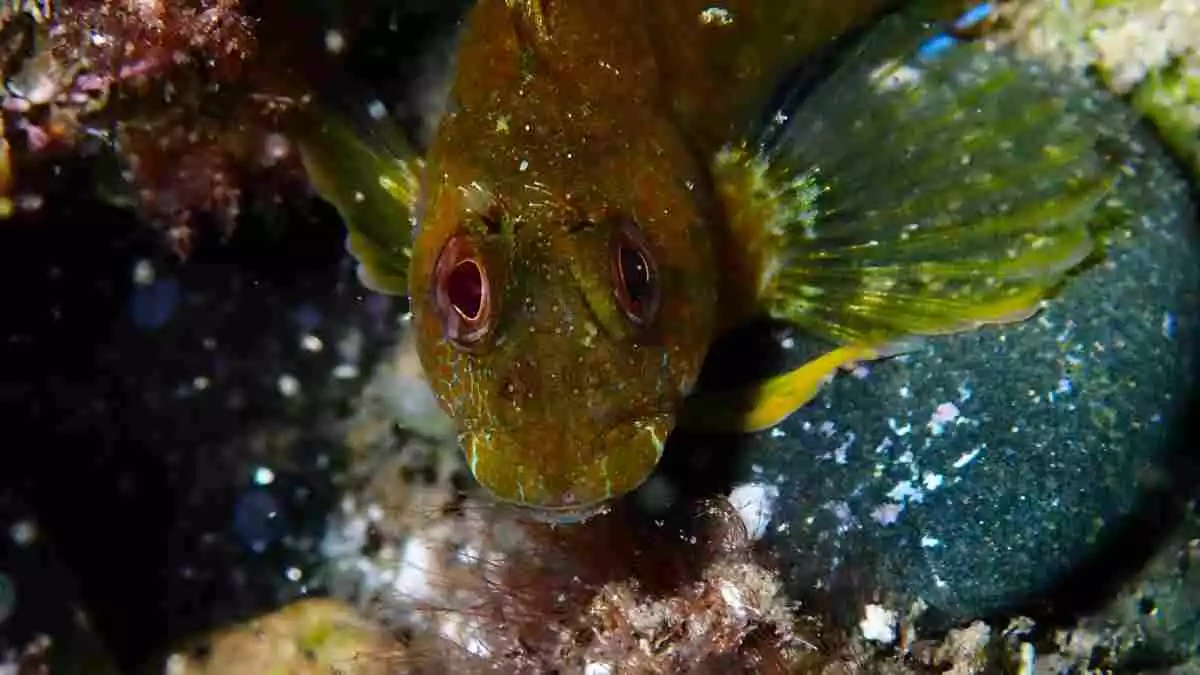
764,404
372,178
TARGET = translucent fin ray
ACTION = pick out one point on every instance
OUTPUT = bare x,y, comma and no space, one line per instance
919,191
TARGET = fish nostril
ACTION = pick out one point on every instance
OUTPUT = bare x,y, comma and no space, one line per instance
508,388
517,384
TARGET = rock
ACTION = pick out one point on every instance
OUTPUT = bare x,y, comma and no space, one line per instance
309,637
195,431
44,627
1145,48
1154,620
979,472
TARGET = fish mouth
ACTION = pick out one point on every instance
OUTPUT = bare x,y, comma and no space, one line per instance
566,515
570,484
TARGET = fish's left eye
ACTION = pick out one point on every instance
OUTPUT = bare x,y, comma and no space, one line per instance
462,294
634,274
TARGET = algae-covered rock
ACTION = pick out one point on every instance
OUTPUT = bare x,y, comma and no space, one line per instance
981,472
1145,48
1155,617
310,637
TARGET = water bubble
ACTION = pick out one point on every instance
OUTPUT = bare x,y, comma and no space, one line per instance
143,273
311,343
263,476
23,532
335,42
288,385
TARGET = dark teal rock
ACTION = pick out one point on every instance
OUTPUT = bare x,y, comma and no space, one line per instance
1010,468
983,472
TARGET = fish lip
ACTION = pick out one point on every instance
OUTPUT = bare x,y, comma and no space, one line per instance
556,514
566,515
566,507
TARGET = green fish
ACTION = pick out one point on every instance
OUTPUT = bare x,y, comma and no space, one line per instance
617,184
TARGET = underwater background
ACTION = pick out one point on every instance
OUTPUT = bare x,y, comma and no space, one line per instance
220,455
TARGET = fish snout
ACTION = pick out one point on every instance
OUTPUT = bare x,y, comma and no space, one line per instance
568,476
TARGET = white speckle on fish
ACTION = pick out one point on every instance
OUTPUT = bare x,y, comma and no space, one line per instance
892,75
716,15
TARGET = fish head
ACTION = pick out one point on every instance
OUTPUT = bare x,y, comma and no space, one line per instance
564,290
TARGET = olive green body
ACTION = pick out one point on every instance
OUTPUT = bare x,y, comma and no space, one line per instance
565,120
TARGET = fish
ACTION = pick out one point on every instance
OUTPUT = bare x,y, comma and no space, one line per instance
615,185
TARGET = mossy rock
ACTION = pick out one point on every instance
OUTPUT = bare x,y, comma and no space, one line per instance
1145,49
316,636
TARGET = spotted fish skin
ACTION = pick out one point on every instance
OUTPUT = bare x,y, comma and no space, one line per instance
569,122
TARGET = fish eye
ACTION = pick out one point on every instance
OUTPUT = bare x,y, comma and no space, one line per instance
461,293
634,275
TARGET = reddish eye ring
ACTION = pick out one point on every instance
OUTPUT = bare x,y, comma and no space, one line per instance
635,277
462,294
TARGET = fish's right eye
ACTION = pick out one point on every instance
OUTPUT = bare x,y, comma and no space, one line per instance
635,278
462,294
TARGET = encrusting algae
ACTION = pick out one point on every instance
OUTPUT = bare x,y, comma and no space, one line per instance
600,204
